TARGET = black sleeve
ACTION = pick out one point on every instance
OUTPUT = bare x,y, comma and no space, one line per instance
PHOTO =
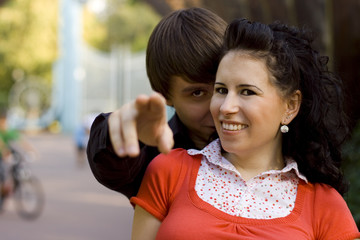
122,175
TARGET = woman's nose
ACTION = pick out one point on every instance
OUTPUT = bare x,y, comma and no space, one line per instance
229,105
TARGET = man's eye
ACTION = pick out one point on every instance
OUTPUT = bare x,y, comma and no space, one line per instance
198,93
247,92
221,90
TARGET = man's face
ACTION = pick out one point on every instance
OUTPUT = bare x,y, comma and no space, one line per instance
192,103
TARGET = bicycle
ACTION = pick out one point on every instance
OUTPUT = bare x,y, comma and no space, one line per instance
27,190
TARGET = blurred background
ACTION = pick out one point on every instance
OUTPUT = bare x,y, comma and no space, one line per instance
64,61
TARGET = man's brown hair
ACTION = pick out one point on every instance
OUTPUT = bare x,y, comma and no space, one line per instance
186,43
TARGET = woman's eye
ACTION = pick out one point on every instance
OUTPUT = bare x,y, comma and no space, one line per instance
221,90
247,92
198,93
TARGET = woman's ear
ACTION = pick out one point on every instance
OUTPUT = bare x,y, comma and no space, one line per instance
293,104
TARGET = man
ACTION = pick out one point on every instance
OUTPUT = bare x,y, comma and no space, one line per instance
181,61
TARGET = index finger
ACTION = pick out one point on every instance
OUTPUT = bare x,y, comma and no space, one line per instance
128,132
114,124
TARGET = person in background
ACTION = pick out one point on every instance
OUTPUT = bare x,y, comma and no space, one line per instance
11,139
181,61
5,185
81,138
274,172
7,136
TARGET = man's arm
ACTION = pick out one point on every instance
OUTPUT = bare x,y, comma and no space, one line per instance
110,170
148,123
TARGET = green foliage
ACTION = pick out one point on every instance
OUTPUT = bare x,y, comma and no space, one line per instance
28,34
123,23
28,40
351,154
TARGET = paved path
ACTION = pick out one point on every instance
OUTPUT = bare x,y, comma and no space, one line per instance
77,207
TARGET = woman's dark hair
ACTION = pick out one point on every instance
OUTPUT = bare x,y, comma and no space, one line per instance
321,126
186,43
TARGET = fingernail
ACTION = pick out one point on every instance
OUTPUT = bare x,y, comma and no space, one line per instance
121,151
132,150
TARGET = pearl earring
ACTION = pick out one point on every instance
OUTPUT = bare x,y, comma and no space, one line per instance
284,128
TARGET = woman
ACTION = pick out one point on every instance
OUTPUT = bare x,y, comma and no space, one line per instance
276,174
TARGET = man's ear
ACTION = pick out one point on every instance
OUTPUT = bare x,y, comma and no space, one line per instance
293,104
169,103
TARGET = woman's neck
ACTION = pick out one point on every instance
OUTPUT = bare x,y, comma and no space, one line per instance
251,165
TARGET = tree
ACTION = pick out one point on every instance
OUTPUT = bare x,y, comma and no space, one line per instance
28,40
120,24
351,155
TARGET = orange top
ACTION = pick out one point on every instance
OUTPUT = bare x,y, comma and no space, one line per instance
167,192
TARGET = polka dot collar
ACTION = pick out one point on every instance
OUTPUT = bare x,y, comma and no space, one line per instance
213,154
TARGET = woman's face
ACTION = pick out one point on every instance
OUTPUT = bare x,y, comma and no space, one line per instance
246,107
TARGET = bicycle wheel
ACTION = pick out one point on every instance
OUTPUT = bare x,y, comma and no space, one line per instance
29,198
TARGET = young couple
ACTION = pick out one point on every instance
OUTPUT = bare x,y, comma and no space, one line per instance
274,169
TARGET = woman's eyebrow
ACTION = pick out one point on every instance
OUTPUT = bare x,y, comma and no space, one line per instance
248,86
241,86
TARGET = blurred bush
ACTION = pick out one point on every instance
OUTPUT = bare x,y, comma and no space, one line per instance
351,166
120,23
28,41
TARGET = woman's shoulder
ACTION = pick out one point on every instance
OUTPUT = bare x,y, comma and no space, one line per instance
321,191
329,212
176,160
323,198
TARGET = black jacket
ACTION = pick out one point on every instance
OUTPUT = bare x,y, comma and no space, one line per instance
124,175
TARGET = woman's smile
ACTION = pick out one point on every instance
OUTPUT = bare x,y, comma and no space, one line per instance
233,126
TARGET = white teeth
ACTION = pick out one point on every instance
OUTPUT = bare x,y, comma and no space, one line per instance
233,127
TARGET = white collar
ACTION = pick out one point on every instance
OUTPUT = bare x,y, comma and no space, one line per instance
212,152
